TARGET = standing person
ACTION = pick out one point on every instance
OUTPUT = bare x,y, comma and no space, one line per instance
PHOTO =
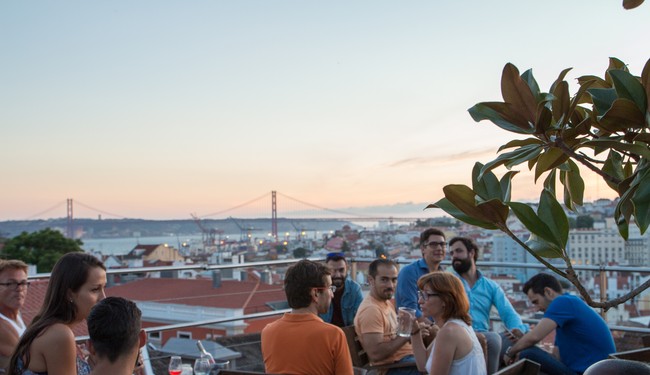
13,291
76,284
433,246
376,321
300,342
114,327
348,295
582,337
484,293
455,349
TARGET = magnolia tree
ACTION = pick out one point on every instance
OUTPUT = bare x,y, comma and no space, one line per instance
604,126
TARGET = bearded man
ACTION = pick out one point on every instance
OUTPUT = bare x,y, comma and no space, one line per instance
348,295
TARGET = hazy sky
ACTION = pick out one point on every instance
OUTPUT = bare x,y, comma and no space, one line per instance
155,109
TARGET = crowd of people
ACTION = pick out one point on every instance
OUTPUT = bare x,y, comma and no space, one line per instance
451,312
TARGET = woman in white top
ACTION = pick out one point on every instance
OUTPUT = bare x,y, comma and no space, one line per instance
455,349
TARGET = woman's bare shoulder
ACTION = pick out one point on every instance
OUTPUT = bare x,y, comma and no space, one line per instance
56,334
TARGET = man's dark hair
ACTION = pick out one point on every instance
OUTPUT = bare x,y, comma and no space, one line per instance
424,236
469,243
114,327
540,281
372,269
300,279
335,257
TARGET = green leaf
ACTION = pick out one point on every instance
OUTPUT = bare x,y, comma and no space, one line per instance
464,199
502,115
638,149
543,248
631,4
512,158
551,212
615,64
602,99
506,185
574,184
549,182
562,102
560,78
614,167
549,160
628,86
520,142
621,115
594,81
641,201
531,221
445,205
516,92
645,81
543,120
486,185
527,76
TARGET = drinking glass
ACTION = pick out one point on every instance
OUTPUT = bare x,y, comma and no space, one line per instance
187,369
405,318
175,365
202,366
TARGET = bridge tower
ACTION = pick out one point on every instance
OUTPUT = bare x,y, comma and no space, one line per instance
69,224
274,215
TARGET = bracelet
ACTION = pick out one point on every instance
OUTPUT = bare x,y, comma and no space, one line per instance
508,351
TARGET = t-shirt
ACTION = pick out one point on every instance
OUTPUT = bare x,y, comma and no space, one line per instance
581,336
304,344
378,316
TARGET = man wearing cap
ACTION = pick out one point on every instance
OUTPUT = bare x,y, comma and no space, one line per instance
13,290
348,295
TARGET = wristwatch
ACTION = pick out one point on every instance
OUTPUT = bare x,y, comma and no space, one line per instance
508,351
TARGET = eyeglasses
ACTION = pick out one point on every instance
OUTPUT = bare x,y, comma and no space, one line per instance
433,244
16,284
332,288
425,295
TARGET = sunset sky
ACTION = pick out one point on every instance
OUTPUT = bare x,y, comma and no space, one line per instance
159,109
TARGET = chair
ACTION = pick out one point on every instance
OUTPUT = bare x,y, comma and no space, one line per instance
646,341
521,367
359,355
641,355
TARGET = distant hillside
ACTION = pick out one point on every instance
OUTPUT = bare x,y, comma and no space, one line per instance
114,228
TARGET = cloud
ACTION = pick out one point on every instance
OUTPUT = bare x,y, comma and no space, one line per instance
445,158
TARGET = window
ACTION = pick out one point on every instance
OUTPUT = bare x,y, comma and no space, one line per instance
184,335
154,335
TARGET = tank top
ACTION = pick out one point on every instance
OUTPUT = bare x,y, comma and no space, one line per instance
471,364
18,325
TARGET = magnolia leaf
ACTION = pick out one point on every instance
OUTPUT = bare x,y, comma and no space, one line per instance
506,185
516,92
543,120
445,205
615,64
645,81
549,160
551,212
629,87
511,158
531,221
641,201
595,82
543,248
562,102
560,78
549,182
640,149
485,185
464,199
527,76
631,4
622,114
502,115
602,99
495,211
520,142
574,184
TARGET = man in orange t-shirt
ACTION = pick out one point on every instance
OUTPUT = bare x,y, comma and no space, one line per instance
300,342
376,321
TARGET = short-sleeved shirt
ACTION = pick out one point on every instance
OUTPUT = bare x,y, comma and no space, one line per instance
378,316
581,336
406,293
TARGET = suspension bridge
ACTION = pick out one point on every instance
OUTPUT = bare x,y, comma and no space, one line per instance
273,204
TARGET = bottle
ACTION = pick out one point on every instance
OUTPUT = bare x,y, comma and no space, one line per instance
205,352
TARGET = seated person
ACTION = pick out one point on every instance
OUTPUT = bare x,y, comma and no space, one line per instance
455,349
348,295
115,336
582,337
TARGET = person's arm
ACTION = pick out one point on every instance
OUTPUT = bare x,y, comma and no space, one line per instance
406,293
59,350
8,339
378,349
541,330
419,351
443,355
508,314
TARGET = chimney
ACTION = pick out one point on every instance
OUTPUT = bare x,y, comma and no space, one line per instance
216,279
266,278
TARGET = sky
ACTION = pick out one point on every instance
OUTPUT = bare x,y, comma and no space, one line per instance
159,109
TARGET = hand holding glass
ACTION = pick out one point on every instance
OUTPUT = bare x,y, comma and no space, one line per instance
175,365
405,318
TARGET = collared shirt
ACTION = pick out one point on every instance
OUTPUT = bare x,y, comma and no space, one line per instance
406,293
350,301
482,296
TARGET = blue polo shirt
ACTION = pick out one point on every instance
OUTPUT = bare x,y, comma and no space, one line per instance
406,293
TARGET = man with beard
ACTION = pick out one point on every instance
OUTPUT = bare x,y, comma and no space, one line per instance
300,342
484,293
348,295
433,246
13,290
376,321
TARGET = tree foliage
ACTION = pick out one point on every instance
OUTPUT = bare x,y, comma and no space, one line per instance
604,127
42,248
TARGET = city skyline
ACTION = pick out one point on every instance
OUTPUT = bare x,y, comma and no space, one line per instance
161,109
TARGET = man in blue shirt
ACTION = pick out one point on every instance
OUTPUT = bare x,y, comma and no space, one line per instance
582,337
433,246
484,293
348,295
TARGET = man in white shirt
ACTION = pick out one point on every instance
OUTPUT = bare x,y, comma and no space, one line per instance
13,291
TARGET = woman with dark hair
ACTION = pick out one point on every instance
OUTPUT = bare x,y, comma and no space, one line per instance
442,297
48,346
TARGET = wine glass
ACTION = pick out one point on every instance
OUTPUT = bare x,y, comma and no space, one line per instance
175,365
202,366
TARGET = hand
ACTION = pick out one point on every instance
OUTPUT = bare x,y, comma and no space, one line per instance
508,358
513,335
